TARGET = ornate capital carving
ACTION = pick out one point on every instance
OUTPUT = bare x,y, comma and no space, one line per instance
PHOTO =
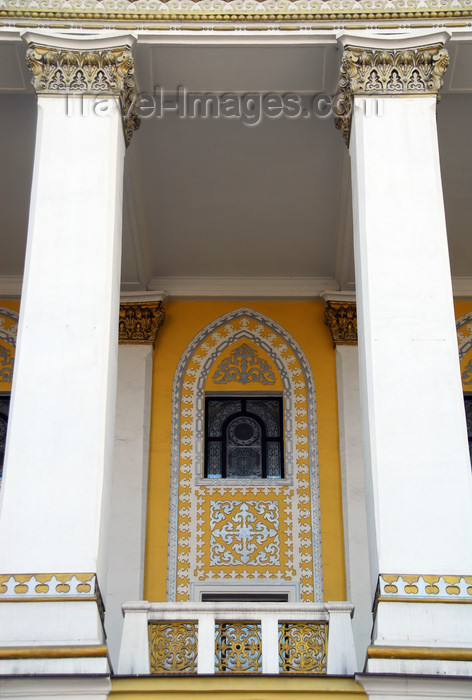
371,72
341,319
58,71
140,321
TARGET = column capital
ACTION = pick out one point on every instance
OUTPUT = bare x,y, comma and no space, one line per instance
388,67
140,321
89,67
341,319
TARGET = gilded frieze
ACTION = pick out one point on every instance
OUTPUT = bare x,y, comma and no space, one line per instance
235,11
424,587
47,585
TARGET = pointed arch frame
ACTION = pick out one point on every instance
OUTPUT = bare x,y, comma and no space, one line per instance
308,380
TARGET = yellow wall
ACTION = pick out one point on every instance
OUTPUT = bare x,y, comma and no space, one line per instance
304,321
250,688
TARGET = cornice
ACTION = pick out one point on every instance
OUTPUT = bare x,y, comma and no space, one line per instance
262,12
140,321
388,71
59,69
341,319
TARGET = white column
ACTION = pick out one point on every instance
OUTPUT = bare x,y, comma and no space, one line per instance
130,467
415,442
341,317
55,493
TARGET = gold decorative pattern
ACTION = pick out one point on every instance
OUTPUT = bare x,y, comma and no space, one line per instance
238,647
32,585
303,647
341,319
81,72
173,647
140,322
50,587
373,72
424,587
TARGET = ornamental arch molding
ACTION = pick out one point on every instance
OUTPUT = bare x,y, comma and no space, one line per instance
464,340
205,553
8,330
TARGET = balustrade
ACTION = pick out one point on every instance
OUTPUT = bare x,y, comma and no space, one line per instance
209,638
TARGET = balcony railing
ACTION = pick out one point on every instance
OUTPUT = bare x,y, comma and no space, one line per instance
209,638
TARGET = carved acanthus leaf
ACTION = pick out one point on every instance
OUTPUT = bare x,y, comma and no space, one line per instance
86,72
341,318
139,322
372,72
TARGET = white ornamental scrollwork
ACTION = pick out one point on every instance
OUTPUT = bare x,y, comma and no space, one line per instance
244,532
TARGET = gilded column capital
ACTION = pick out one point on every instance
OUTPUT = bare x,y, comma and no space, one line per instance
107,71
341,319
139,322
387,71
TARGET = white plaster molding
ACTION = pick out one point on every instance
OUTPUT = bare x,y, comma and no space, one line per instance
244,287
462,287
407,40
136,297
97,687
84,42
392,687
339,296
10,286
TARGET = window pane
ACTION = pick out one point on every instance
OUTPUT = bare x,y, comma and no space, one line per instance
214,460
218,412
269,411
274,460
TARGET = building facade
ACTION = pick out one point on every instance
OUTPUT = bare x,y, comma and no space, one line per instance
235,349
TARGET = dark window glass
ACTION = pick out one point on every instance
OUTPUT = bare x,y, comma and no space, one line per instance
243,438
4,408
468,415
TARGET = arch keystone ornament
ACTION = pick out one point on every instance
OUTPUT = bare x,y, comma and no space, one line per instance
84,71
387,71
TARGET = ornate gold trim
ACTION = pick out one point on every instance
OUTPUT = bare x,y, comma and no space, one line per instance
51,587
387,599
341,319
422,653
261,18
140,322
53,652
424,587
394,72
86,72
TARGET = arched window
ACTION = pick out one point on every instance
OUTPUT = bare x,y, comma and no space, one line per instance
244,437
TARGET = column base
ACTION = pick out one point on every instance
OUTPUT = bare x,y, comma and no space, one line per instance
391,687
422,626
51,624
96,687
